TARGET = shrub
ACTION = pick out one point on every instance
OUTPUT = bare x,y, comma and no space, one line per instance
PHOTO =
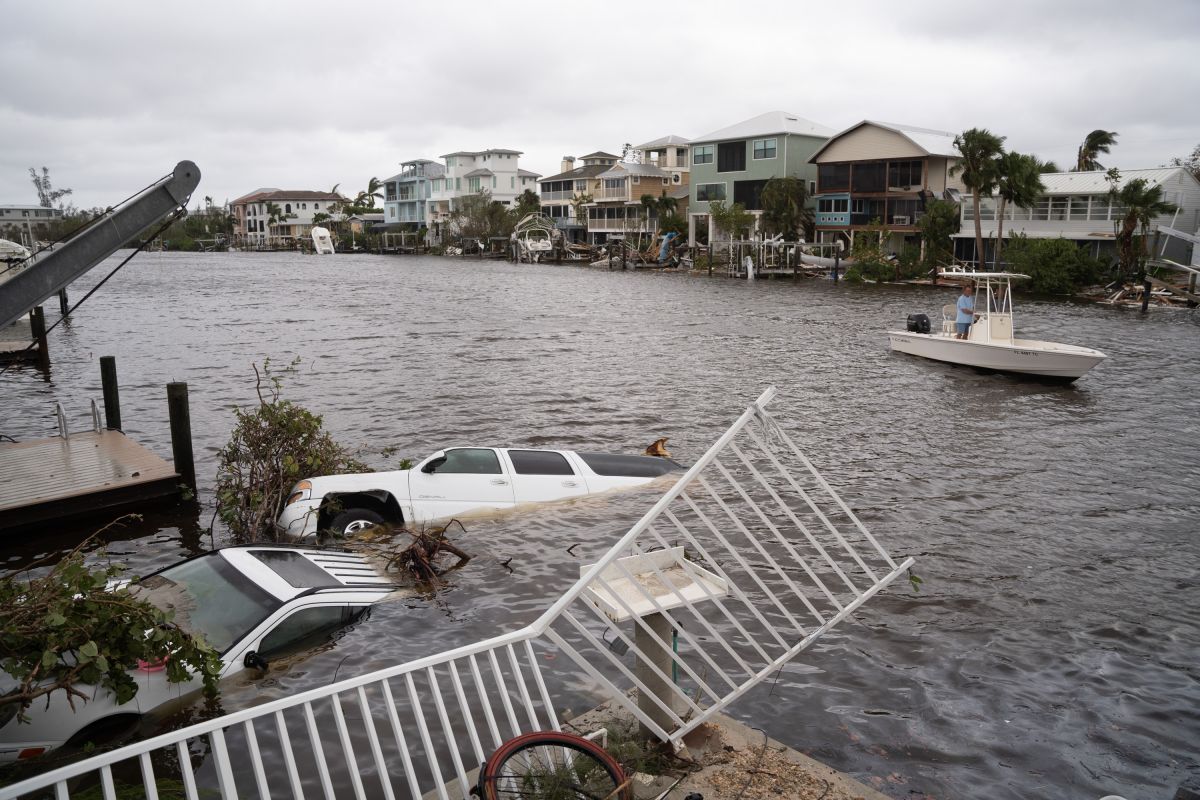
272,447
1055,266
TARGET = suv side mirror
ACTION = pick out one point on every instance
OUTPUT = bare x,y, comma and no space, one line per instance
254,661
432,466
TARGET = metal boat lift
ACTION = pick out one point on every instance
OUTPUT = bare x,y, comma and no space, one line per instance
56,269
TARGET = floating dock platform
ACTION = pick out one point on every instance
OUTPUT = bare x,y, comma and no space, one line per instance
88,472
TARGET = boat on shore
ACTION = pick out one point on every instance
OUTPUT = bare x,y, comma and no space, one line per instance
990,343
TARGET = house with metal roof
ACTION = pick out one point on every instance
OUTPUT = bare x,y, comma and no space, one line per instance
25,223
1077,206
881,173
734,163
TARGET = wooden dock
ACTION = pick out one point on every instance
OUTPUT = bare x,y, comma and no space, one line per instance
92,471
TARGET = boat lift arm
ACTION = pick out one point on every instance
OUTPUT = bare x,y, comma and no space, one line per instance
56,269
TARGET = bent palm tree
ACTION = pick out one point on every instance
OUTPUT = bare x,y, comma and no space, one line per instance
1097,142
650,204
979,150
1019,182
1139,203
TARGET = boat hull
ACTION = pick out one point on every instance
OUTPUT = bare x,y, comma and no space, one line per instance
1023,357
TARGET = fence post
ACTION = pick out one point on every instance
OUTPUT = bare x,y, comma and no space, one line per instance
651,652
181,433
112,396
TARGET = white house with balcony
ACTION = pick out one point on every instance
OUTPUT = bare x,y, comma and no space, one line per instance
496,171
1077,206
277,217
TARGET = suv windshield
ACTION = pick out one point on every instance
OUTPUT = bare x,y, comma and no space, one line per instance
209,598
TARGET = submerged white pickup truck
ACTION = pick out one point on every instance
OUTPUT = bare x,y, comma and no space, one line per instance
457,481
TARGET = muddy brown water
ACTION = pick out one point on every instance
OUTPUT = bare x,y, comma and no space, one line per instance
1051,651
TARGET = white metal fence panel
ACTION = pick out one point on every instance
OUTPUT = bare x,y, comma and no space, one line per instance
744,563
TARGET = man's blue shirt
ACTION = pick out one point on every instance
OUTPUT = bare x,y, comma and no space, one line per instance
965,304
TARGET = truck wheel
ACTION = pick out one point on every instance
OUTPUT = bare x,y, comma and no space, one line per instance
353,520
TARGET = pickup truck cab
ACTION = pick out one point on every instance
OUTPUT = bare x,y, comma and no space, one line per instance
457,481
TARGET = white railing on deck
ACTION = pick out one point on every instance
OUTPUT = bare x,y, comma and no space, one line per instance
789,557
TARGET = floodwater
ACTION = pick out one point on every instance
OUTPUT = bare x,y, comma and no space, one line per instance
1051,651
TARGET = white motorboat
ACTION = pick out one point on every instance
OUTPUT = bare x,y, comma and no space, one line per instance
990,343
12,252
322,242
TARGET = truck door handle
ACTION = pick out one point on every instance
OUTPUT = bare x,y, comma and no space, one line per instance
499,482
570,484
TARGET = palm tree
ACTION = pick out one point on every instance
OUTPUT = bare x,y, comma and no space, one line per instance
1140,203
276,216
1019,182
1046,167
650,203
979,151
666,205
1095,143
373,187
578,202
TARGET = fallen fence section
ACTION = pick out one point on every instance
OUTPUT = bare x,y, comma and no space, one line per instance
744,563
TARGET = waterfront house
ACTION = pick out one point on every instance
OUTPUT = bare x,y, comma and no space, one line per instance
467,172
559,192
878,173
616,207
1076,206
278,217
405,194
733,164
26,223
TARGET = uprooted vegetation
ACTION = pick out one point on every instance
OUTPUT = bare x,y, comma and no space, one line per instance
272,446
420,553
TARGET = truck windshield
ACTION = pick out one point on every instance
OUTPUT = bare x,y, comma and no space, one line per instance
210,599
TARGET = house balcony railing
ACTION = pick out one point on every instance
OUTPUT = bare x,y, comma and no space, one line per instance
612,194
556,196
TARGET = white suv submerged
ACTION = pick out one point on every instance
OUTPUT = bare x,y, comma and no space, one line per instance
456,481
250,603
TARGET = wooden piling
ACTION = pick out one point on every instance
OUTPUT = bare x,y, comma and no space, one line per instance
63,305
37,326
837,265
112,397
181,433
1145,296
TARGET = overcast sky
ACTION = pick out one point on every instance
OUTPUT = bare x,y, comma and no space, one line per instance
303,95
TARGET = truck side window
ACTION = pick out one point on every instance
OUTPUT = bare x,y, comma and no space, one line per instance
539,462
470,461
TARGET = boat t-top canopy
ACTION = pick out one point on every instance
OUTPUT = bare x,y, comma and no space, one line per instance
983,275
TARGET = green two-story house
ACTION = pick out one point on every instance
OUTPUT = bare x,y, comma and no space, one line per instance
734,164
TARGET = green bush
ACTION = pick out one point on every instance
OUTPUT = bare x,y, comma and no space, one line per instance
1055,266
271,448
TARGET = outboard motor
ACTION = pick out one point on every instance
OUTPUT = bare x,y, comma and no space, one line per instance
918,323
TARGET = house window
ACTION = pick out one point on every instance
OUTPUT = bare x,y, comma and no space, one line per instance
512,182
833,177
749,194
450,161
614,183
702,154
1099,209
637,179
731,156
904,176
869,177
316,206
472,184
707,192
287,208
457,184
812,188
581,186
765,148
493,181
392,212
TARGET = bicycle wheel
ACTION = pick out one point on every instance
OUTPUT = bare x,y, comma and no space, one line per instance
551,765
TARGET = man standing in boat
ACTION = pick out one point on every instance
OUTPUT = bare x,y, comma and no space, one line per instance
966,311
